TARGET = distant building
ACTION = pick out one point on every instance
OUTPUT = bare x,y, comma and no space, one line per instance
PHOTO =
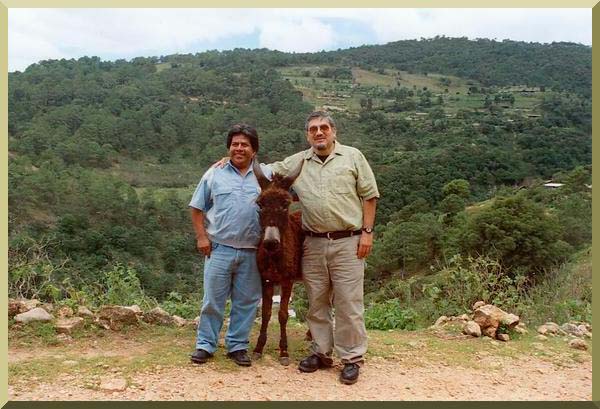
552,185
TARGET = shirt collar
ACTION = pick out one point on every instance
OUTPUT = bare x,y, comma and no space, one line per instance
236,170
337,150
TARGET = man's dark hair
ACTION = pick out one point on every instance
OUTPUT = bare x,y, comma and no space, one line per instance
319,114
245,130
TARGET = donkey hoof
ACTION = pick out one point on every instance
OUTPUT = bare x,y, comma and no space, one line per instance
284,360
256,356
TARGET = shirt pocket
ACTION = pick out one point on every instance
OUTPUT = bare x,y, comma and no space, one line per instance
343,181
223,197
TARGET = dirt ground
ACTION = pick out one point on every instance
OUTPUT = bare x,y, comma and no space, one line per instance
403,367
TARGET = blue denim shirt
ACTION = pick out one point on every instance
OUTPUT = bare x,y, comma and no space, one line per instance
228,201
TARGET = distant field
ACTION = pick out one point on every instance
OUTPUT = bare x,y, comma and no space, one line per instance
344,95
163,66
146,174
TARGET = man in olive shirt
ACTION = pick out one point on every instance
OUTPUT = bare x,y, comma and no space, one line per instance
338,196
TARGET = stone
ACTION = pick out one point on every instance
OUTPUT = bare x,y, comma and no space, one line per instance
36,314
179,321
503,337
64,311
572,329
440,321
464,317
19,306
136,309
510,320
521,328
113,385
489,318
472,328
541,337
68,325
578,344
158,316
478,304
70,363
115,317
550,328
14,307
31,304
48,306
84,312
66,338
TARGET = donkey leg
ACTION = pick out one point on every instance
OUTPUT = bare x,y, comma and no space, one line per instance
267,304
286,291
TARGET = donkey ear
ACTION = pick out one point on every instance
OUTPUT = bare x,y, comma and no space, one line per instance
289,179
263,182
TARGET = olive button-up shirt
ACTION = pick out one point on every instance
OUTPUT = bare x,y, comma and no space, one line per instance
331,193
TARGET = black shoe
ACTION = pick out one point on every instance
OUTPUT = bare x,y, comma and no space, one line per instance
349,374
240,357
312,363
200,356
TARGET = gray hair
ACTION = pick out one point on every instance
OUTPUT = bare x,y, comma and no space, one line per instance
319,114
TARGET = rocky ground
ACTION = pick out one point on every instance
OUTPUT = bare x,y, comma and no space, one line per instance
150,363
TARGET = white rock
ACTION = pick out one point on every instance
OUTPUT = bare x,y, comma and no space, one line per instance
503,337
472,328
478,304
114,385
135,308
573,329
64,311
36,314
180,322
441,321
83,311
68,325
578,344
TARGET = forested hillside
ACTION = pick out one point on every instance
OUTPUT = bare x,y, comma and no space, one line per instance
104,157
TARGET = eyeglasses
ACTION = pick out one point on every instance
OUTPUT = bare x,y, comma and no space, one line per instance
314,129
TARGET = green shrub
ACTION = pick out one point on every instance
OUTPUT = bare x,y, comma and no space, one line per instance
563,295
466,281
123,288
299,301
185,307
390,315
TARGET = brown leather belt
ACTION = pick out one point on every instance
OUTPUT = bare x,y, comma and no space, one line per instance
334,235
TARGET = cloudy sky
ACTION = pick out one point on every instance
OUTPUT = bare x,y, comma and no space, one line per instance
39,34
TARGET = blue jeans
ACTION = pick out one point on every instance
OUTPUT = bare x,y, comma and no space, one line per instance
229,272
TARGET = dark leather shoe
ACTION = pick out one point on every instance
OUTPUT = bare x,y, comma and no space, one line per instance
349,374
240,357
312,363
200,356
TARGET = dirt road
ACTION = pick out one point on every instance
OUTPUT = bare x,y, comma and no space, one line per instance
403,366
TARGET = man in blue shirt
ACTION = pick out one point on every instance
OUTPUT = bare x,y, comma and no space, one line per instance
225,219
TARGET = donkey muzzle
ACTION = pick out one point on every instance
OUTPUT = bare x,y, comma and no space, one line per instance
272,238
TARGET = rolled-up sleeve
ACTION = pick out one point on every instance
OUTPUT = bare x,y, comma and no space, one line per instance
201,199
366,185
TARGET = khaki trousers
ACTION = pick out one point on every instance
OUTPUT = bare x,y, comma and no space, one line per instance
334,278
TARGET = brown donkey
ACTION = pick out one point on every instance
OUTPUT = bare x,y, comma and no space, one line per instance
279,252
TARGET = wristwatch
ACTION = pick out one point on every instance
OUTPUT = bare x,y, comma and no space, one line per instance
367,230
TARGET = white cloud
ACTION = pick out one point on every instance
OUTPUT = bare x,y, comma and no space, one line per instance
36,34
538,25
305,35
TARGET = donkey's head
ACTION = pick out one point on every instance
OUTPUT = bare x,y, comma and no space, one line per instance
274,202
